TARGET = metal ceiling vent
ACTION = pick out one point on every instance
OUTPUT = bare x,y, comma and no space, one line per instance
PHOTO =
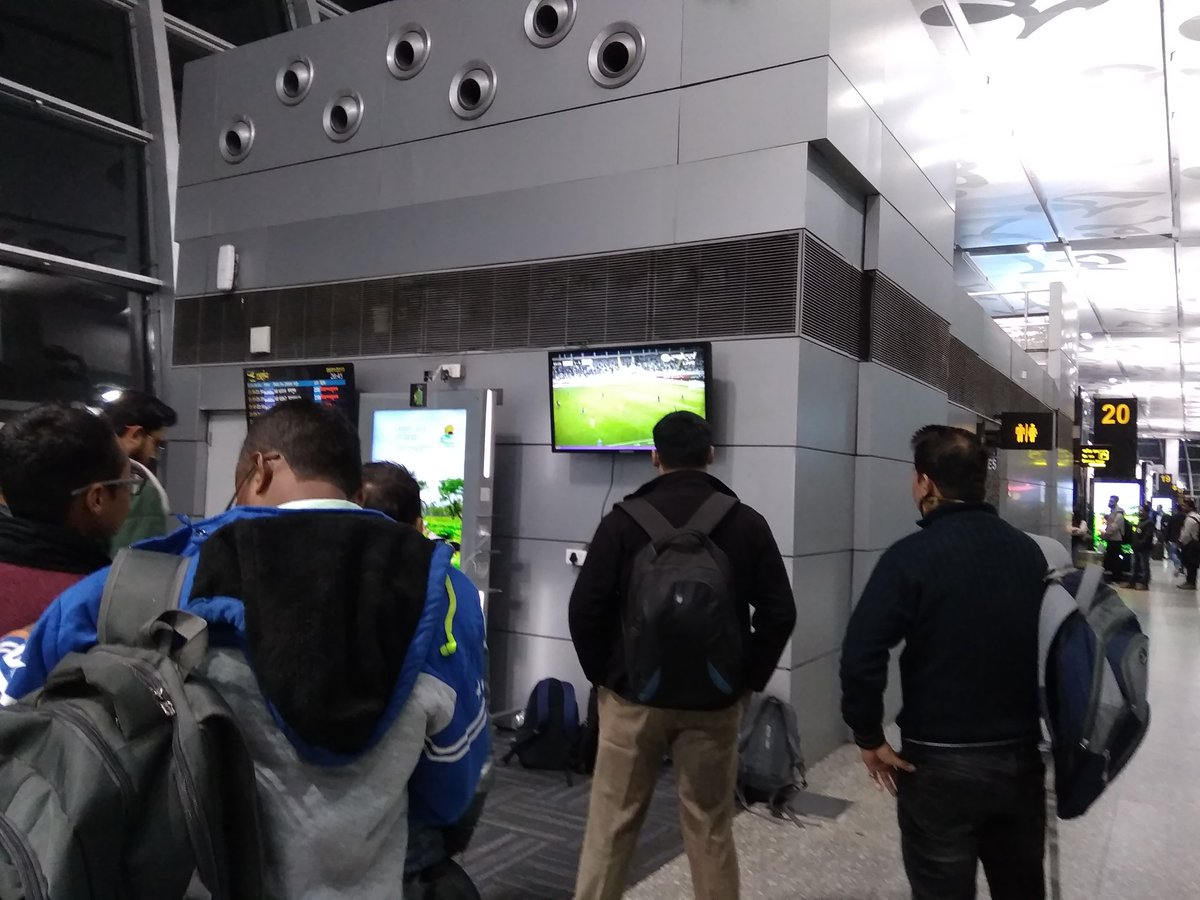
294,80
549,21
343,115
236,139
472,90
617,55
408,51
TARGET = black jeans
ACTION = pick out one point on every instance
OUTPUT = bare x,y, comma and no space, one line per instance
966,806
1112,561
1141,567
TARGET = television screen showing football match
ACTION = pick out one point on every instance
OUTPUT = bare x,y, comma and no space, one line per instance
610,399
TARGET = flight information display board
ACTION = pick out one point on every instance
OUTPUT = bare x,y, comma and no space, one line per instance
331,385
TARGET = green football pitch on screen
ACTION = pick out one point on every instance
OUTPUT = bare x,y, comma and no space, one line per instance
620,416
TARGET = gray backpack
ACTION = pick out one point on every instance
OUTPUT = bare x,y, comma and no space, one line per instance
771,765
683,634
126,776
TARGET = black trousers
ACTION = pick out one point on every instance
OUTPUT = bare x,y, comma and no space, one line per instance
1112,561
963,807
1190,553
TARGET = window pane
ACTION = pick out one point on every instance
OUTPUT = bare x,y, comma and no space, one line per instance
77,51
70,192
63,338
356,5
237,21
182,52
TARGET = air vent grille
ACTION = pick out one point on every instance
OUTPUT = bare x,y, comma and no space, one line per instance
720,289
831,309
906,334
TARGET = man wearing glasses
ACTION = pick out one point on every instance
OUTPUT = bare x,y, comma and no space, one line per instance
140,422
69,487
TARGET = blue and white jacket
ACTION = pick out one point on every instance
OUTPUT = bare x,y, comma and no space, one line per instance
352,652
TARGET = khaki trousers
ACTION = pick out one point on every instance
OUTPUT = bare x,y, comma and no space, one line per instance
634,739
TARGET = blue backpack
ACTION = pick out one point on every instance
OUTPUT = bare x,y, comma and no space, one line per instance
1093,679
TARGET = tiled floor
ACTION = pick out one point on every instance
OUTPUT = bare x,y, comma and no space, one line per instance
1140,842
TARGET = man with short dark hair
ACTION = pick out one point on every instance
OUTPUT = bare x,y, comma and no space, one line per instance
964,595
394,491
349,649
1114,536
636,732
140,422
68,487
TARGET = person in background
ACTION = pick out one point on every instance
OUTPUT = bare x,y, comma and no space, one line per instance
355,677
635,737
1114,537
1142,545
68,486
140,421
1189,543
393,490
1171,528
964,594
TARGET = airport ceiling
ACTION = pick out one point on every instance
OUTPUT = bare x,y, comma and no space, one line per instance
1082,138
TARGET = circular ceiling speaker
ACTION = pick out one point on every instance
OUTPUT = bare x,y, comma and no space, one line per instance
343,115
617,55
472,90
549,21
408,51
236,139
294,81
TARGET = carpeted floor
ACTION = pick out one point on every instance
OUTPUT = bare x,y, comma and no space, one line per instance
527,844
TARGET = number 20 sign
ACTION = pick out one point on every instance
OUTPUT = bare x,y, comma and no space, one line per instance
1118,412
1115,425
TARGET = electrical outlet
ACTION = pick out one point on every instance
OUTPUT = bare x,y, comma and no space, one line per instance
575,557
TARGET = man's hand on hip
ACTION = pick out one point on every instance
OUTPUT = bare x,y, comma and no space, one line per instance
882,764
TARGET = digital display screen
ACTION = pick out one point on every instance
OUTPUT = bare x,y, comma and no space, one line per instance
432,444
610,399
332,385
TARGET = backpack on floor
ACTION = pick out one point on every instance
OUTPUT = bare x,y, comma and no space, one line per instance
589,737
126,776
549,734
1093,680
771,765
682,629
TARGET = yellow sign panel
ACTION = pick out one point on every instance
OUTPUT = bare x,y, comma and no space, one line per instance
1026,432
1095,457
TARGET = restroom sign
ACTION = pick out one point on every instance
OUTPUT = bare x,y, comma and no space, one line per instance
1027,431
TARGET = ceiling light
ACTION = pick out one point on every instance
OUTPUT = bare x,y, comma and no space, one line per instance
1086,336
1036,249
111,395
1113,380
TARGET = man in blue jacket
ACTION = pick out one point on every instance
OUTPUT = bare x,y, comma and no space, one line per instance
349,648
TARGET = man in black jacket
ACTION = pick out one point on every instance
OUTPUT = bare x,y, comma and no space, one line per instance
635,737
964,595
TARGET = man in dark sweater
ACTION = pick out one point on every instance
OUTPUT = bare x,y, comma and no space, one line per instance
964,595
68,486
702,740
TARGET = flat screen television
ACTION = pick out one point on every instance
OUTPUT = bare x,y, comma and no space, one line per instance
608,399
331,384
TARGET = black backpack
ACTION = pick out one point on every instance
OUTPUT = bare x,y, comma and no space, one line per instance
683,635
771,765
126,775
549,734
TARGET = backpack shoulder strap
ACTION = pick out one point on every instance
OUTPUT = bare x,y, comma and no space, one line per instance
648,518
1085,596
141,585
711,513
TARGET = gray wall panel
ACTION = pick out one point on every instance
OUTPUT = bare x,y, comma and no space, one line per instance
751,193
720,39
757,386
762,477
834,212
884,510
816,696
896,248
854,130
520,661
827,385
771,108
864,564
198,122
906,188
822,587
823,513
185,490
535,585
890,408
